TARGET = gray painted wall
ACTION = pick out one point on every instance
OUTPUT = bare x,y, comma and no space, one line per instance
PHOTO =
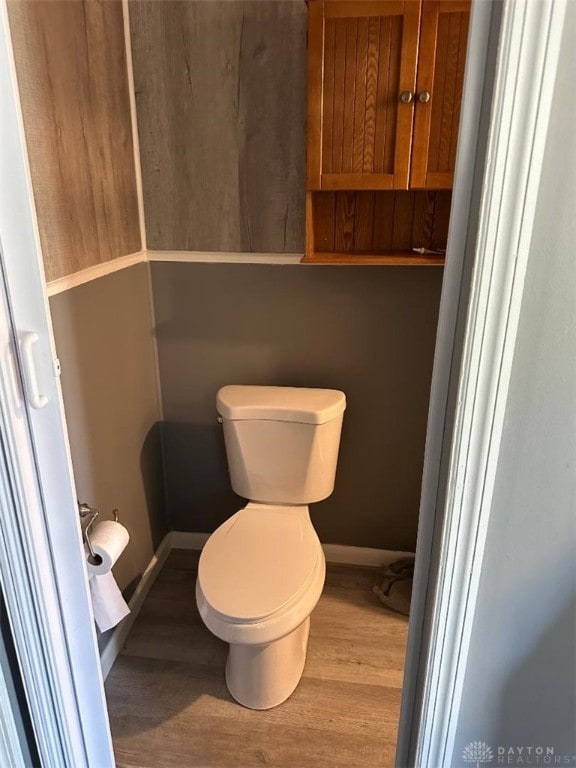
520,686
105,344
369,331
221,101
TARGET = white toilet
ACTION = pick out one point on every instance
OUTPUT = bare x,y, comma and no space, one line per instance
262,571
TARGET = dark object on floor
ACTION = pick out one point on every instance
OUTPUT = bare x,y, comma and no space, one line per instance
396,588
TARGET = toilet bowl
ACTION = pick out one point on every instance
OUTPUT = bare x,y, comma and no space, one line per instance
262,571
259,577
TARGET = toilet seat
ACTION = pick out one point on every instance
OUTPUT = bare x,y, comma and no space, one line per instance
260,574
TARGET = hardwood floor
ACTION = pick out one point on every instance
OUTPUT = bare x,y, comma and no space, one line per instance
170,708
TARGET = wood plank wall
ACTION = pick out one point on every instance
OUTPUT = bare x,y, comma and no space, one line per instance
71,69
221,99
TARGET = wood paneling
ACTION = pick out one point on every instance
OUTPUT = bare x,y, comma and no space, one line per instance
221,100
71,68
169,705
440,72
371,224
367,57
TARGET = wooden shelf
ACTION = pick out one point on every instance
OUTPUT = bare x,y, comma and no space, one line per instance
376,227
390,258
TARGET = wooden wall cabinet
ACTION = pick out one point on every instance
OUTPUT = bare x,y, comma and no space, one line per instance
384,89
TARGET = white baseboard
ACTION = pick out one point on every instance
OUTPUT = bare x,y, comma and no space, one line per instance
334,553
340,553
110,652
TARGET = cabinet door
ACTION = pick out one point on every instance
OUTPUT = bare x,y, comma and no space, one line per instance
441,59
362,56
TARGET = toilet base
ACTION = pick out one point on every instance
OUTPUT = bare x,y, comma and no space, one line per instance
263,676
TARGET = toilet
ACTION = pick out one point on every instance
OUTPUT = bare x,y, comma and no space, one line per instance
262,571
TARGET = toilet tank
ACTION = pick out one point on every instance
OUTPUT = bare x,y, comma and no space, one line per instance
281,442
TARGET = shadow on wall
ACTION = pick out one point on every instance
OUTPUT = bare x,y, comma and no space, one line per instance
152,475
153,484
195,466
538,700
151,470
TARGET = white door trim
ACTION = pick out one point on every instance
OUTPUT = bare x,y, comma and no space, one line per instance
42,565
472,139
524,82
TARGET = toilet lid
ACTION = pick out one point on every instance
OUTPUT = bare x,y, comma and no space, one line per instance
258,561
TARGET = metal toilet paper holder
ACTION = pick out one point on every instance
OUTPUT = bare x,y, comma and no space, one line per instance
85,510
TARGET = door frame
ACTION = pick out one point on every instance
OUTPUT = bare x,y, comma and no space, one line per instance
42,563
479,315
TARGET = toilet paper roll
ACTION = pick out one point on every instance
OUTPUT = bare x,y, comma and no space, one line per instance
109,540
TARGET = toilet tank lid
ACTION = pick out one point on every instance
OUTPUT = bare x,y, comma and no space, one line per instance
299,404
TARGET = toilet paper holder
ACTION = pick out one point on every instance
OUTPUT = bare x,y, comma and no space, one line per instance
85,510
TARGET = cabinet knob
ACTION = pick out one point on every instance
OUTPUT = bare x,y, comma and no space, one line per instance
424,97
406,97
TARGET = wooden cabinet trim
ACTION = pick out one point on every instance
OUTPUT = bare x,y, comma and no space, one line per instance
454,6
405,119
347,9
443,180
422,118
391,259
315,95
357,181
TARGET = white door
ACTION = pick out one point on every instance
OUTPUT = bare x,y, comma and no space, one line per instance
42,567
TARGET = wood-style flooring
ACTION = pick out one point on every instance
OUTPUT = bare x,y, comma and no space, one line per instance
170,708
